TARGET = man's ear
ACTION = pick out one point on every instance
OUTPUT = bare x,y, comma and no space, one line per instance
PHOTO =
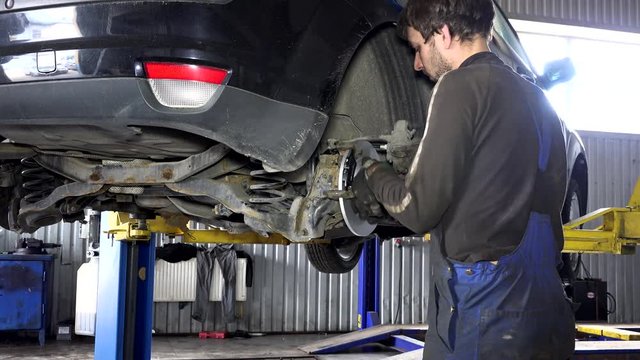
445,34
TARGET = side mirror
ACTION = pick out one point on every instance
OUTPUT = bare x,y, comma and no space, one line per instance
557,72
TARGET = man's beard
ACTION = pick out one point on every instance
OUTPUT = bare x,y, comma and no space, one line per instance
438,64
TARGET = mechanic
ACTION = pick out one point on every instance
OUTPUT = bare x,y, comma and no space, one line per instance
488,182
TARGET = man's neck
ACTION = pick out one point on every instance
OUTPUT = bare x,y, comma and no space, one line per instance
468,49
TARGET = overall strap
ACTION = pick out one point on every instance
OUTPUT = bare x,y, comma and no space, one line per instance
543,180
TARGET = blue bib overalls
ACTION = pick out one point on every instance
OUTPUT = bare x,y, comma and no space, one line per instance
515,309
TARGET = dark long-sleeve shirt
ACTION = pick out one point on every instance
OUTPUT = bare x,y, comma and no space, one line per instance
474,174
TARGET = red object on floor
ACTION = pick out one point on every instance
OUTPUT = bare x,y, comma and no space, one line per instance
212,335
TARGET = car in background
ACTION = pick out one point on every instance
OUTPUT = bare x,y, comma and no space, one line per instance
238,114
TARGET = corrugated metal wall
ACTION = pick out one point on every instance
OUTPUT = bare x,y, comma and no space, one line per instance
405,282
623,15
289,295
614,167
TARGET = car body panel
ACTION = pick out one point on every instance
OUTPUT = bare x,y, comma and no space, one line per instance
125,124
286,51
284,55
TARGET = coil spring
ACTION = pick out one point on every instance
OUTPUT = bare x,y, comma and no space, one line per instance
37,182
270,188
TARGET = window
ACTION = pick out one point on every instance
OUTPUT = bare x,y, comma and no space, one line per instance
603,95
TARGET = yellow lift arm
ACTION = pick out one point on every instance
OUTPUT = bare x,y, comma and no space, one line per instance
618,234
122,227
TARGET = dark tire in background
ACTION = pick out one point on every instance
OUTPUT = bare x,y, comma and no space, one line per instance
334,258
379,88
575,206
5,198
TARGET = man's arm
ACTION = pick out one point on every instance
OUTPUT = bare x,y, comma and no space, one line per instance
441,162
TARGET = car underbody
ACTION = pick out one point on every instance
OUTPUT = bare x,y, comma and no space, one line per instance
217,187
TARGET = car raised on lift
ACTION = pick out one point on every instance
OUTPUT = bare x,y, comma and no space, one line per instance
238,114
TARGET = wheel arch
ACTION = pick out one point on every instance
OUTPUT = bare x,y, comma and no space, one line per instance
332,33
340,71
380,68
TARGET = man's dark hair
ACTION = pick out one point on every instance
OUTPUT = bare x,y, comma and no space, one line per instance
465,18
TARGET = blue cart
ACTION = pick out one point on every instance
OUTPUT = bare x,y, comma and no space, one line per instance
24,285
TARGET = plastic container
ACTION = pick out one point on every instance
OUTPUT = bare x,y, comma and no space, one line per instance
87,298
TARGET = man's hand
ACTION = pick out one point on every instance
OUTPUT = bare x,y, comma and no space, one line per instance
371,166
365,202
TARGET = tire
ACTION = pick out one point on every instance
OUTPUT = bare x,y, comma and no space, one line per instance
575,206
334,259
379,88
5,199
10,195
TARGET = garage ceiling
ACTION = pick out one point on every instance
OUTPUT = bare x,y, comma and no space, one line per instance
622,15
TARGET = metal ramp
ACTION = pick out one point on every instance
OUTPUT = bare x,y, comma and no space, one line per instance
400,337
411,355
622,349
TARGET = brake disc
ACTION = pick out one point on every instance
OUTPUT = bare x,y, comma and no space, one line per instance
349,167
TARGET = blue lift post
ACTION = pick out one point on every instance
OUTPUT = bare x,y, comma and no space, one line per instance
369,285
125,300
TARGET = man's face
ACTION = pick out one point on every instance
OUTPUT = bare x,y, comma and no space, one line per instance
428,58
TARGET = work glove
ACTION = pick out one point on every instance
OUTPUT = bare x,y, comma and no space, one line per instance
364,201
374,170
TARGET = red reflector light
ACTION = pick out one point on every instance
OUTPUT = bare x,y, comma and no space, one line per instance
175,71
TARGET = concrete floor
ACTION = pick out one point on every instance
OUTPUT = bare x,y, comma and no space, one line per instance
282,347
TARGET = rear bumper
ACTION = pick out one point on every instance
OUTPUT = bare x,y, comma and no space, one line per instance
282,136
271,46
